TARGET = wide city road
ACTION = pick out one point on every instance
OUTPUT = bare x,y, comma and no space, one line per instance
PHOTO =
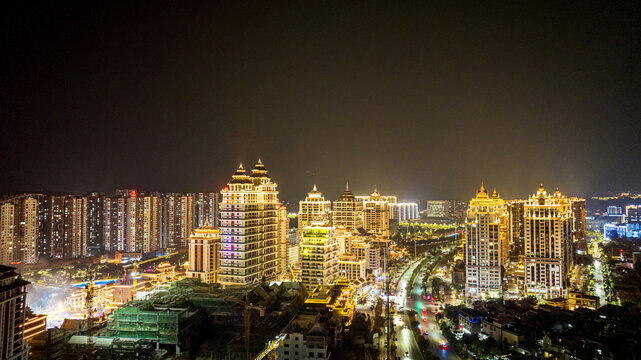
428,322
406,346
598,272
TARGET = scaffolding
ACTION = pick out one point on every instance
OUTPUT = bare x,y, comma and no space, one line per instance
159,325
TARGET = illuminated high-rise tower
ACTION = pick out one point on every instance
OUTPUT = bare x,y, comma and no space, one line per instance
376,214
319,251
283,239
313,208
7,232
204,252
348,211
249,228
485,245
547,243
578,224
179,219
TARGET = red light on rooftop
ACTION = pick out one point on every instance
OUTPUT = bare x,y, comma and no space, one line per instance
133,193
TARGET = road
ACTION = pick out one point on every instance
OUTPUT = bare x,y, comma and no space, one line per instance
406,342
418,303
598,273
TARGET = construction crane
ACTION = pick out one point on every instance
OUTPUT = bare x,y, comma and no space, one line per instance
271,347
291,271
247,315
89,310
135,264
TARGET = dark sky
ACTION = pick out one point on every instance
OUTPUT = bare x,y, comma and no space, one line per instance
425,101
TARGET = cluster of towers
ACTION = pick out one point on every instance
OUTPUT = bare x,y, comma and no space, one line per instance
252,240
543,232
250,243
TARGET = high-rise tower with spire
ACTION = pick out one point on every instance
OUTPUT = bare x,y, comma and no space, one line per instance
249,228
547,243
486,244
314,208
376,214
348,212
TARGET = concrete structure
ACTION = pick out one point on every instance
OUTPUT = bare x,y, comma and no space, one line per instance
206,209
348,211
293,255
516,235
179,219
7,232
486,244
470,320
548,243
13,300
34,325
19,229
204,253
249,228
438,208
318,255
376,214
578,300
313,208
308,337
283,239
351,268
96,207
404,211
578,225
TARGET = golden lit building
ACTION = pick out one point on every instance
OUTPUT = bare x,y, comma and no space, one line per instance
376,214
348,211
318,255
578,300
34,324
283,239
204,252
313,208
547,243
350,267
249,228
485,244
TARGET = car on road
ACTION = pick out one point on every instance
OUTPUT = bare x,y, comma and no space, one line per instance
444,346
407,355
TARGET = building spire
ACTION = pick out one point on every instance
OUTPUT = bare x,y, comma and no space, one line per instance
314,189
260,162
482,189
346,185
240,166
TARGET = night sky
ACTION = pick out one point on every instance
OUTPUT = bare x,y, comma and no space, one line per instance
424,101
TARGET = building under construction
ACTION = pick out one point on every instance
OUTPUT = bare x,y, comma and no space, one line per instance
193,319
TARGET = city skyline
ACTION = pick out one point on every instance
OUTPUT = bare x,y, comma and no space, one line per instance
422,100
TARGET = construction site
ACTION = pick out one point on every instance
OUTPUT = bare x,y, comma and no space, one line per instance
188,319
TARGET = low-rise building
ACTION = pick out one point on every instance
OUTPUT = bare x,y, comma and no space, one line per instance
310,336
503,332
578,300
470,320
350,267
